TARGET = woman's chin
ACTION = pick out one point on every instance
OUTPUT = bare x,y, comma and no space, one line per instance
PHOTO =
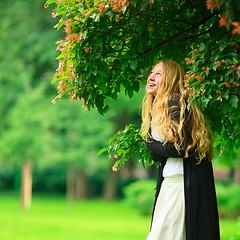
151,92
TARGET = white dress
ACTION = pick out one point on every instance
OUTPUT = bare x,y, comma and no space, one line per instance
169,214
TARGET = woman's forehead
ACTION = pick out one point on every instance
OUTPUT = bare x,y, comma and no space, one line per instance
158,67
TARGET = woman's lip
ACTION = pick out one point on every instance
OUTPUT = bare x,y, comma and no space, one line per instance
151,85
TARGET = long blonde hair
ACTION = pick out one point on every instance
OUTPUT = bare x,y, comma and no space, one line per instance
155,109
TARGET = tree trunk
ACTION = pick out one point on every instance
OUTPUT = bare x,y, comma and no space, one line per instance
110,186
81,185
26,185
237,175
70,187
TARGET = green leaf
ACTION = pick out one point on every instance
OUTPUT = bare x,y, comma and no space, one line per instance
144,5
129,92
228,72
102,151
136,86
238,73
205,102
202,46
133,64
99,43
234,101
124,66
207,71
94,70
223,45
50,1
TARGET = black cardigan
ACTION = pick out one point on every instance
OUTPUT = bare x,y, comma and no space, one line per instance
201,214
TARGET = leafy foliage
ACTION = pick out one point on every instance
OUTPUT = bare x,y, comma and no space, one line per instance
26,62
140,195
31,127
111,44
214,80
228,200
108,51
126,143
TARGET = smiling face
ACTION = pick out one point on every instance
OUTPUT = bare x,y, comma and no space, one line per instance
154,79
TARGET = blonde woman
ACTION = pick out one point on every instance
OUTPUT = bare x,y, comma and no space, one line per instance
178,138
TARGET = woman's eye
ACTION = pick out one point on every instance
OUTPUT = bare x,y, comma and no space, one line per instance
159,74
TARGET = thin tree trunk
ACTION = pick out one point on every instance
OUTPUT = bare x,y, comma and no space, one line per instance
26,185
110,186
237,175
81,185
70,187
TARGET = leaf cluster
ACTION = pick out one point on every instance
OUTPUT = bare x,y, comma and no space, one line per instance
109,51
214,81
109,48
125,144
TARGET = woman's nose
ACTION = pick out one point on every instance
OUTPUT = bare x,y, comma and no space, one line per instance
152,77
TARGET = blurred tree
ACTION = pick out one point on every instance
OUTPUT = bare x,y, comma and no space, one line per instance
110,46
121,113
41,133
23,141
26,60
82,134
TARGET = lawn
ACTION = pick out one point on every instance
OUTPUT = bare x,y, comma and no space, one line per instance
50,218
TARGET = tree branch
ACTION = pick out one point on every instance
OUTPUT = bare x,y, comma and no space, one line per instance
198,35
180,33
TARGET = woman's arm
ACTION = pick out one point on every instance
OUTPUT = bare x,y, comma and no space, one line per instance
159,150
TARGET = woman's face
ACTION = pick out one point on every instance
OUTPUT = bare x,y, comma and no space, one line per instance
154,79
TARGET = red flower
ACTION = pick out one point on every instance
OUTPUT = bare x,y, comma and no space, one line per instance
235,24
236,28
187,60
63,89
212,4
227,85
54,15
84,107
199,78
101,8
223,21
59,48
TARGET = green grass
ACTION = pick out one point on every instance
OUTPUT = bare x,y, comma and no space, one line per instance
230,229
51,219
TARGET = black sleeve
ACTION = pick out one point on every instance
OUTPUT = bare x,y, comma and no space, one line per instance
159,150
154,154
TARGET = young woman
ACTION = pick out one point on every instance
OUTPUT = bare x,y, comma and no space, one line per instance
177,136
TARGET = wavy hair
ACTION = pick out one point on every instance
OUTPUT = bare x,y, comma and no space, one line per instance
155,110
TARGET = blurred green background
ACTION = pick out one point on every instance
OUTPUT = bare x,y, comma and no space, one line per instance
52,183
